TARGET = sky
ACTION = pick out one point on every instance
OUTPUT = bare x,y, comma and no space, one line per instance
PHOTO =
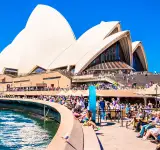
140,17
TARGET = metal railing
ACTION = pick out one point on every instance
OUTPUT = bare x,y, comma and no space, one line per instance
119,115
112,114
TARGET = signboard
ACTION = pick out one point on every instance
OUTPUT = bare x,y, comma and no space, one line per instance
41,85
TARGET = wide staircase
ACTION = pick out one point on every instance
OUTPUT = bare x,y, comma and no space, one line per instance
139,79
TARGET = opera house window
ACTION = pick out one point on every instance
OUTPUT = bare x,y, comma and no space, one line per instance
10,71
137,65
38,70
113,53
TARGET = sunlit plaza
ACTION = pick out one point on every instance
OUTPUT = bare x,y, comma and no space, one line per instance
97,88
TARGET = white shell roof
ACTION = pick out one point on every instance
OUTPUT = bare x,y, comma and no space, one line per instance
10,56
140,52
49,42
88,41
135,44
92,54
46,35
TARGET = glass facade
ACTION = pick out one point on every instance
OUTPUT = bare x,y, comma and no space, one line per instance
137,65
38,70
113,53
11,71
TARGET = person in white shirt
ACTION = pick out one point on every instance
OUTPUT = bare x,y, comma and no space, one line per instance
117,107
82,105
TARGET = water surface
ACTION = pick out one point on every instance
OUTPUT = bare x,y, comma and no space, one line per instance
20,131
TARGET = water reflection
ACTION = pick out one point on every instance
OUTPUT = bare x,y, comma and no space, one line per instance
21,132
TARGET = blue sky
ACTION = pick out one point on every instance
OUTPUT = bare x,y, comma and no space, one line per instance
141,17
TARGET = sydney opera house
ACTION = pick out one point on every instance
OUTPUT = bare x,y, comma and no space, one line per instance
47,53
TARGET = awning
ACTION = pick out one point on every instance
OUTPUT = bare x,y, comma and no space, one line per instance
115,65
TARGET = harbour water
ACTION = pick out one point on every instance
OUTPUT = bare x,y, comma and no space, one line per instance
20,131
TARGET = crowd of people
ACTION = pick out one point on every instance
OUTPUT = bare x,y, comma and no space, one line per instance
84,86
146,122
142,118
98,85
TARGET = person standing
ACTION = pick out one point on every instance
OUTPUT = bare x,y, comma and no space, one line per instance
86,103
108,112
113,101
102,108
128,110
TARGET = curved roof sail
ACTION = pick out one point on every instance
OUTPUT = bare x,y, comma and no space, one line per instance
46,35
48,41
106,43
86,42
139,49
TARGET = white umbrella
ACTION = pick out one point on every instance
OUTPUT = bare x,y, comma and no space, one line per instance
69,93
62,93
78,93
153,90
87,93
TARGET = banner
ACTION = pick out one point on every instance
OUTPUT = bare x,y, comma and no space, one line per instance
92,101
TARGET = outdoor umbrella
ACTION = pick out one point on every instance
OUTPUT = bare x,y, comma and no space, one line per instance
69,93
153,90
86,93
62,93
78,93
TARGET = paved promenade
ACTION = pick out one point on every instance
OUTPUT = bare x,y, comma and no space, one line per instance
114,137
